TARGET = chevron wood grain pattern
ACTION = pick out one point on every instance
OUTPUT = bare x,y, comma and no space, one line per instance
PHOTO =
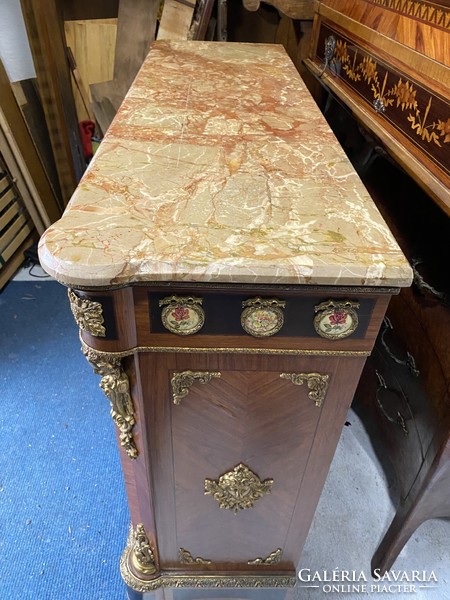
252,416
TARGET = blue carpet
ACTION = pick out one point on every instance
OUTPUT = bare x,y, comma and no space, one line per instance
63,512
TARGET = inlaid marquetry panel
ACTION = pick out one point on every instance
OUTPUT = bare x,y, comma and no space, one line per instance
228,422
414,110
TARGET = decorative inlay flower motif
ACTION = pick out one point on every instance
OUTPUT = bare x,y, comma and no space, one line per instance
341,52
405,94
369,69
402,94
444,128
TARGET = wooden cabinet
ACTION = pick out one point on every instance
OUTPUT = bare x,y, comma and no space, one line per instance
226,438
229,273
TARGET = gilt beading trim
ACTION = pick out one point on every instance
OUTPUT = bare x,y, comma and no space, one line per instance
202,350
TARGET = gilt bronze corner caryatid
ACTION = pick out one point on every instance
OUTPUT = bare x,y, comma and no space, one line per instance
116,387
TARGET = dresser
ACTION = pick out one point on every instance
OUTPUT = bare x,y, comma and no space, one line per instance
388,64
229,274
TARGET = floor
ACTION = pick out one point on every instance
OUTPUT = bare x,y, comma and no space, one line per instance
355,509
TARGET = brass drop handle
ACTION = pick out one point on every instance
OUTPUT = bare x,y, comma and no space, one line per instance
399,418
409,362
423,286
330,46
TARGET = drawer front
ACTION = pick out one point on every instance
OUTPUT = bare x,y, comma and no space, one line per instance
230,318
237,314
387,411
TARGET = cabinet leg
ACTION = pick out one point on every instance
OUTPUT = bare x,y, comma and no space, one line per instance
428,499
405,522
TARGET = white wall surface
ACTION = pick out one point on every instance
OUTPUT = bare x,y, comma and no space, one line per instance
14,47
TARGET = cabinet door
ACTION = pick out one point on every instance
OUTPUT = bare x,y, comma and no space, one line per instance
230,440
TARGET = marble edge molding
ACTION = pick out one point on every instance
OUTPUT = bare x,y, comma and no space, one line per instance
393,276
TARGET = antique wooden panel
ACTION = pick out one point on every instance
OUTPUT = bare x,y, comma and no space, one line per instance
390,65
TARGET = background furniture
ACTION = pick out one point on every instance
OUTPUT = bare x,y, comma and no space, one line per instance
390,69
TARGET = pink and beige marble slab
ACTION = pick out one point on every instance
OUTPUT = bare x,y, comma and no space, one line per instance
219,167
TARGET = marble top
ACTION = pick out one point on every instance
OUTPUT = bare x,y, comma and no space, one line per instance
219,167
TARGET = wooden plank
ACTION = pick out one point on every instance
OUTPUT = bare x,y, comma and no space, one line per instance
7,198
19,140
4,183
30,105
9,214
176,19
13,230
46,36
8,270
296,9
93,45
107,96
202,19
136,29
22,178
16,242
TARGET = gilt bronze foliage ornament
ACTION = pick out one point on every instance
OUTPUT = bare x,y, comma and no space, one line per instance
182,381
273,558
142,556
186,558
88,314
317,384
238,489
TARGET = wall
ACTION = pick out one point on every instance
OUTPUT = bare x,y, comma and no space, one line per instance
14,47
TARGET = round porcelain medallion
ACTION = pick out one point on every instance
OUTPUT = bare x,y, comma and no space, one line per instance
262,318
336,320
182,316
